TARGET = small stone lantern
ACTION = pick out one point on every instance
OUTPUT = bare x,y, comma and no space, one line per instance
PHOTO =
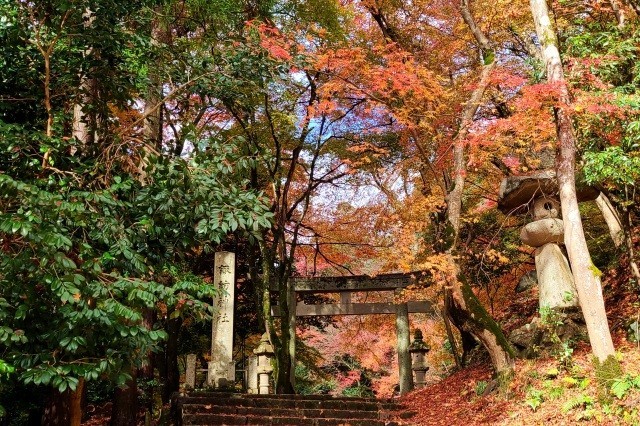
265,354
418,350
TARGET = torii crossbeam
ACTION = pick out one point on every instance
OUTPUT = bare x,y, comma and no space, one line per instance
345,285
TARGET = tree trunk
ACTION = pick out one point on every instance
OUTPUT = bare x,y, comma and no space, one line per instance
618,10
586,275
284,377
283,342
83,126
146,371
153,122
467,313
64,408
611,218
125,403
172,372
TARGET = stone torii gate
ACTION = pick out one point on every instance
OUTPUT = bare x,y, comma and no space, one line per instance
345,286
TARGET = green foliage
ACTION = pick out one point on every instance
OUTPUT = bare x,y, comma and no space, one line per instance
621,385
309,383
86,244
481,386
550,317
552,390
359,391
581,401
311,379
534,398
77,262
613,53
5,372
613,165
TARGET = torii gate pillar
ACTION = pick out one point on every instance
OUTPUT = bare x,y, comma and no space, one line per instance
405,379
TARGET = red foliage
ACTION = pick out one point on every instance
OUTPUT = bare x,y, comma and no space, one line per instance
453,401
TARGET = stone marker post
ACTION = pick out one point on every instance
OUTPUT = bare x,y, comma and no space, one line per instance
221,369
190,374
252,375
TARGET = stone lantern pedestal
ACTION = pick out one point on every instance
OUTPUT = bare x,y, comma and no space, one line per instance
418,350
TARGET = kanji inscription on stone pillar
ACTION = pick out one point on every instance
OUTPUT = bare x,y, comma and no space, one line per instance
221,367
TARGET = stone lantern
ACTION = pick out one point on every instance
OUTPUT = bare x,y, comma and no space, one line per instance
265,354
418,350
537,193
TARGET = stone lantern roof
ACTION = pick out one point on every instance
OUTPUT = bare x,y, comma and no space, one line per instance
418,345
517,192
265,347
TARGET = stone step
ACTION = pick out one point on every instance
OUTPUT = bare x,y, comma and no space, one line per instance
219,408
335,404
221,419
285,396
280,412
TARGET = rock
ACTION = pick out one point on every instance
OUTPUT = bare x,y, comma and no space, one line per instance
539,338
543,231
555,282
528,280
546,207
525,336
517,192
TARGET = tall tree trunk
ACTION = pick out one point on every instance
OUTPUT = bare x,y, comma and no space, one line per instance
125,403
146,371
466,311
153,122
172,377
282,341
586,275
284,376
83,126
64,408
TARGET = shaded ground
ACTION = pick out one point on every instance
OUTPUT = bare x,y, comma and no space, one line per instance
453,401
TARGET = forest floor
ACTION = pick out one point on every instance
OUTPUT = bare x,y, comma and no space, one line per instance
541,392
555,390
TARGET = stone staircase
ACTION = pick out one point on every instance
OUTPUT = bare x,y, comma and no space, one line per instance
218,408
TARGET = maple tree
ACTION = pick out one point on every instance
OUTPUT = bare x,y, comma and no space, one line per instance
321,138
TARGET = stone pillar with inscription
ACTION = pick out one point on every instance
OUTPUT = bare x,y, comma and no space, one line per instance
222,371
